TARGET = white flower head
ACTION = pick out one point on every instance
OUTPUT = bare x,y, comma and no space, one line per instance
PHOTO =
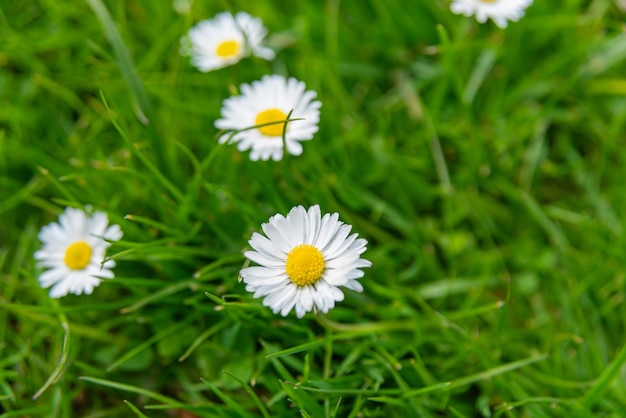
73,251
500,11
224,40
303,260
267,102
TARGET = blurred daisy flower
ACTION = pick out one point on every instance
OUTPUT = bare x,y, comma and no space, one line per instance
500,11
224,40
256,114
303,259
73,251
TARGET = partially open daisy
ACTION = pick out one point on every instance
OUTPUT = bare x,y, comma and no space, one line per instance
303,259
257,116
500,11
224,40
73,251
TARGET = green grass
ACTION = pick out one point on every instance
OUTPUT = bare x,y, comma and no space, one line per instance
485,167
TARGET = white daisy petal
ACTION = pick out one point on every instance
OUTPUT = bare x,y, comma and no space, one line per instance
50,277
338,240
328,229
98,223
263,245
105,273
277,240
264,285
300,276
51,233
73,251
297,220
113,233
267,102
260,273
313,221
60,289
500,11
263,260
354,285
281,295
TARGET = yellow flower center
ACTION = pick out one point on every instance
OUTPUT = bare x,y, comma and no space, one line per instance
268,116
488,1
305,264
78,255
227,49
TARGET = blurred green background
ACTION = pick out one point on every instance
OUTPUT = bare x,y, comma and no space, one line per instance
485,167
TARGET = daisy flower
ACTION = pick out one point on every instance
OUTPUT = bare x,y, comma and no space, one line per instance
73,251
303,259
500,11
224,40
254,115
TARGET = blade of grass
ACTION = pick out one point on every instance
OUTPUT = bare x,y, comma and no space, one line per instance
148,343
144,159
592,191
232,404
135,410
250,392
595,393
165,155
152,297
202,337
129,388
65,352
484,64
138,94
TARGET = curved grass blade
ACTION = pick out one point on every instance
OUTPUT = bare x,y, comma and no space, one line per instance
64,355
132,389
603,382
140,99
206,334
232,404
250,392
143,109
135,409
132,353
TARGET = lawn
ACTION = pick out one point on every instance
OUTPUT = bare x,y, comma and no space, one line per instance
485,167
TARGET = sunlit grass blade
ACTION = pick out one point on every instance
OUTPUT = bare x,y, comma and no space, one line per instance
493,372
58,184
152,223
177,194
65,352
321,341
203,337
302,400
135,410
129,388
143,346
27,412
483,66
552,230
509,406
144,110
250,392
155,296
592,191
595,392
231,403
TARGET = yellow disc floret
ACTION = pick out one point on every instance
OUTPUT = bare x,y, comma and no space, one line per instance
269,116
305,265
77,255
227,49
